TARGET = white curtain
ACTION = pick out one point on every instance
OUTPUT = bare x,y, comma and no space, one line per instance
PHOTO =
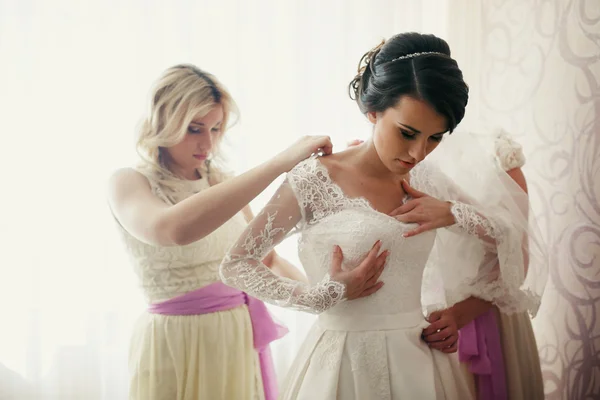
74,79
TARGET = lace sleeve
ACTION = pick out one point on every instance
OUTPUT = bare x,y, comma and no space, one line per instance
471,221
508,155
243,268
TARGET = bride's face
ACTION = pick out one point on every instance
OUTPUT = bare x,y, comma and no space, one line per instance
406,133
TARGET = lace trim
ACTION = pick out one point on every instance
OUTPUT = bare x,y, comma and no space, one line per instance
508,300
329,349
473,223
317,194
246,272
369,355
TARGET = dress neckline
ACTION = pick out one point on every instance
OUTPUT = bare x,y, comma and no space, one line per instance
359,201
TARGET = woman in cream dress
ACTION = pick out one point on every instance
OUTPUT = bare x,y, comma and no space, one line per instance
199,339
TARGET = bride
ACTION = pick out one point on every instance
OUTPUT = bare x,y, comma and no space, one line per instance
414,94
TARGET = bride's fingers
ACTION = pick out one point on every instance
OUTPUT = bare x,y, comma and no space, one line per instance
411,191
369,261
380,267
420,229
368,268
404,208
371,290
410,217
336,260
380,263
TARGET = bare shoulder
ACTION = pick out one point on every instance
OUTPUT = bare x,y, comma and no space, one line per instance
124,182
127,177
517,175
339,163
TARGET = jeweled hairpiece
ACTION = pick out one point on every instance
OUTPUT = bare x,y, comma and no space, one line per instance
413,55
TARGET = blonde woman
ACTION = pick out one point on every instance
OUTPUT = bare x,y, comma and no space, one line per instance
178,214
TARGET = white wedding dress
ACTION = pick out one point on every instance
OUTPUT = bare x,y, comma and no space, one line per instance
368,348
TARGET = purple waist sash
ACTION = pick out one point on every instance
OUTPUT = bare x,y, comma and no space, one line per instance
220,297
479,346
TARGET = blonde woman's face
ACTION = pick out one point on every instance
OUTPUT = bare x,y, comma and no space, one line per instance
201,137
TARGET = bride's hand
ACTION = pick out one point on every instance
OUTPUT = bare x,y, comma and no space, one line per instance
442,333
361,281
429,212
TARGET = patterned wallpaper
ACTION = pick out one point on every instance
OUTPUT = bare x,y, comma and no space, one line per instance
539,77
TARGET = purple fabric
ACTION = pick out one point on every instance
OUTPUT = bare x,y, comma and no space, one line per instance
220,297
479,346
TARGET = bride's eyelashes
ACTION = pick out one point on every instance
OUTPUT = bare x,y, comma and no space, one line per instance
407,135
412,136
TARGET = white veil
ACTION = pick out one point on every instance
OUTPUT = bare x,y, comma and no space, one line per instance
507,262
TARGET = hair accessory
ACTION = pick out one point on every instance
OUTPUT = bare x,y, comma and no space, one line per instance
413,55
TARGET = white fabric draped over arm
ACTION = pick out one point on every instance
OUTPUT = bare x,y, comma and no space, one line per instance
495,250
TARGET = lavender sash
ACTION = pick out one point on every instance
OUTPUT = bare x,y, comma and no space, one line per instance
479,346
220,297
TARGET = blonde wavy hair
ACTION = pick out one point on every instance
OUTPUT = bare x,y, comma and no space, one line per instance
182,93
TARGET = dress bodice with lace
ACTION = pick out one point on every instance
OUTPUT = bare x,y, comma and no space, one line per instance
368,347
355,230
311,203
166,272
363,348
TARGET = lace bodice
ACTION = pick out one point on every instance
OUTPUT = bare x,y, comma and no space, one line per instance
166,272
311,203
331,218
355,230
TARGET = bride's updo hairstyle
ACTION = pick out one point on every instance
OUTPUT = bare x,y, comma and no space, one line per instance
411,64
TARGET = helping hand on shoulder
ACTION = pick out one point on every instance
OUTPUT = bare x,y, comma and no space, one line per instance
302,149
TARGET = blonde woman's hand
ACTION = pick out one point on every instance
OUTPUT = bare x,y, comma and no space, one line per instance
302,149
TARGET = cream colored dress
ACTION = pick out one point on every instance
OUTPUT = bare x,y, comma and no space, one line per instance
521,358
194,357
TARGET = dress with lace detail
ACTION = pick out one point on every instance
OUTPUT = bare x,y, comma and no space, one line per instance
165,272
213,352
365,348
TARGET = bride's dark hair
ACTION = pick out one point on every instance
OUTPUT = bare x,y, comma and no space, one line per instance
411,64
